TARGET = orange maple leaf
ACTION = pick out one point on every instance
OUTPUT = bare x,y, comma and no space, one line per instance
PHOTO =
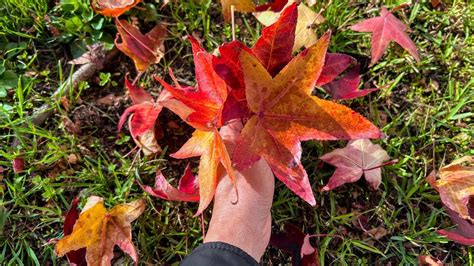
99,230
113,8
210,147
285,113
456,185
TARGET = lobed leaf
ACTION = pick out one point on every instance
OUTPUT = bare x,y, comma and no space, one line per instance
285,113
359,157
386,28
188,189
99,230
142,49
113,8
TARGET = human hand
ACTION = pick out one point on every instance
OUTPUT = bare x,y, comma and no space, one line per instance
247,223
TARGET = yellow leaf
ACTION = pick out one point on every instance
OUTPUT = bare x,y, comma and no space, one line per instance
239,5
99,231
456,185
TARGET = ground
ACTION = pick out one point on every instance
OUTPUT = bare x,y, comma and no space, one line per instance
425,110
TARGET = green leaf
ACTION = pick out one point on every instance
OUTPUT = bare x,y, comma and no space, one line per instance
9,79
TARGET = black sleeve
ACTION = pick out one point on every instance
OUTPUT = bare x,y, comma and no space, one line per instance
218,253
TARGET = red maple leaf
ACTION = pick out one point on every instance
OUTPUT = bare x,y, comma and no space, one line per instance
359,157
188,189
347,86
76,257
385,29
144,113
275,6
284,113
274,47
334,65
464,232
207,98
296,243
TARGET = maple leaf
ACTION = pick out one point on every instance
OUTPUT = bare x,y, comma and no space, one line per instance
284,113
359,157
75,257
334,65
275,6
464,232
456,185
113,8
305,35
239,5
210,147
385,29
142,49
144,113
99,230
227,66
273,48
207,99
188,189
295,243
347,86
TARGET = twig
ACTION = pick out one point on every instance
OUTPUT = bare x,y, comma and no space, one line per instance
232,11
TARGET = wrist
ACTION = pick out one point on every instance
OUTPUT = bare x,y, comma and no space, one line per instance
250,235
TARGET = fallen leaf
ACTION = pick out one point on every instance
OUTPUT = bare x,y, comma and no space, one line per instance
305,35
108,100
435,3
99,230
239,5
428,261
285,113
18,165
347,87
142,49
295,243
334,65
143,115
456,185
227,66
113,8
273,48
207,99
377,232
359,157
75,257
210,147
385,29
275,6
464,232
70,126
188,189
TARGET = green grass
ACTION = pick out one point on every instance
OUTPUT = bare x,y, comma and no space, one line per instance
424,109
